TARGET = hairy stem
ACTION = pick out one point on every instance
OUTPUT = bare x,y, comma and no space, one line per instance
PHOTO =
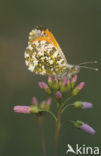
40,124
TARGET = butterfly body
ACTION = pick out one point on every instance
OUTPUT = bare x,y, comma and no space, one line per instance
45,57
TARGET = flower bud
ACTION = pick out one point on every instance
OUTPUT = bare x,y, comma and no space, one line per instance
55,84
48,103
78,104
81,85
58,95
22,109
34,101
87,105
63,87
78,88
43,105
83,105
64,82
85,127
74,79
45,87
34,109
50,81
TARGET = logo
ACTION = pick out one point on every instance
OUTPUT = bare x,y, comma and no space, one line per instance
83,150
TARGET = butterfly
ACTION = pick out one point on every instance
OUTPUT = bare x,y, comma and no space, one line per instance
44,56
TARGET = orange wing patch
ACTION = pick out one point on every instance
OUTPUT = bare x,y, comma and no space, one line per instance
42,33
51,37
42,38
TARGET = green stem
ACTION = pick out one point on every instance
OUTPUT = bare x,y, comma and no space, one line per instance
66,107
65,102
51,113
40,124
64,123
57,132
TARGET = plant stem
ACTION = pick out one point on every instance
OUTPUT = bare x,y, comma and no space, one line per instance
65,102
51,113
57,132
40,124
66,107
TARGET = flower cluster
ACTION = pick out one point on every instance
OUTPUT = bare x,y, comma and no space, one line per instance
61,86
63,90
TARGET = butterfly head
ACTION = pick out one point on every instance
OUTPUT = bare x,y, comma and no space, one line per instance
74,70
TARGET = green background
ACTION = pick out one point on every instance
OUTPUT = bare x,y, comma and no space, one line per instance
76,25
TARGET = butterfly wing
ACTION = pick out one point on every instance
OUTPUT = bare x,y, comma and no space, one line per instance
36,33
43,54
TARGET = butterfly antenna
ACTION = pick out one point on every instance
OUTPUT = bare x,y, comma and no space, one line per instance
90,62
91,68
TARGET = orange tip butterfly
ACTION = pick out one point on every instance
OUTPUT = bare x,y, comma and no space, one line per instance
44,56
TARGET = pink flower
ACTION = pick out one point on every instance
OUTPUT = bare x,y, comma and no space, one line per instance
88,129
34,101
40,84
64,81
22,109
83,105
85,127
81,86
50,81
74,79
87,105
78,88
47,104
43,85
58,95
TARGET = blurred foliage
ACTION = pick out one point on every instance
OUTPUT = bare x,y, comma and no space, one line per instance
77,27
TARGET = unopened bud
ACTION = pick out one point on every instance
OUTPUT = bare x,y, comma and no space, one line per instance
58,95
78,88
83,105
74,79
34,101
55,84
85,127
22,109
45,87
34,109
50,81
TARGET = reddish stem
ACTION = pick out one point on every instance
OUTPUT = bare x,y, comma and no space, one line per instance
57,132
40,124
